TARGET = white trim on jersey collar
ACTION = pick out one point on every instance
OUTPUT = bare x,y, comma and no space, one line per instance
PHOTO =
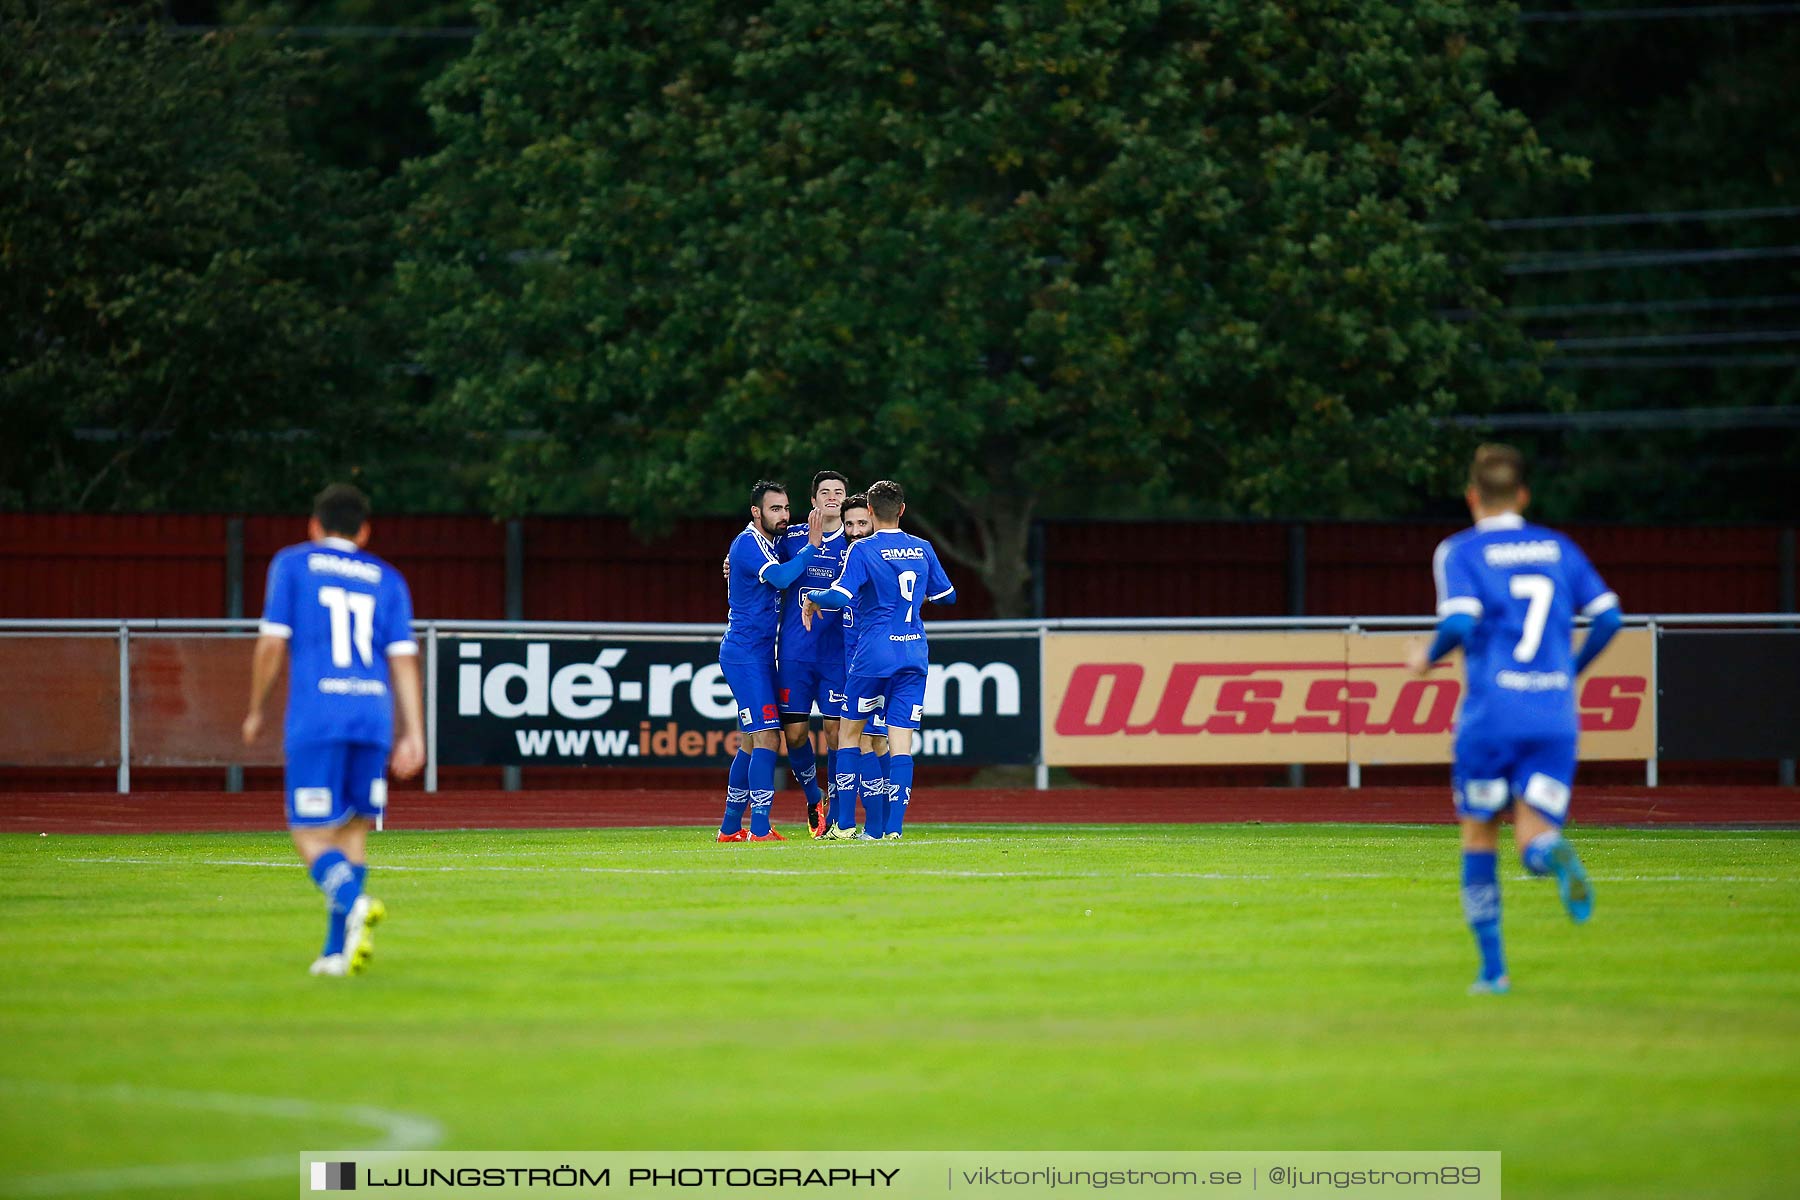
764,543
1503,521
338,543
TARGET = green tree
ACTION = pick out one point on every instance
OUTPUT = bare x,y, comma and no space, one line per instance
189,315
1017,256
361,105
1676,116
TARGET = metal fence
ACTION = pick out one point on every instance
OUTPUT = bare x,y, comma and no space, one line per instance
171,691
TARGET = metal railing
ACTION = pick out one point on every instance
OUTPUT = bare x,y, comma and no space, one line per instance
125,630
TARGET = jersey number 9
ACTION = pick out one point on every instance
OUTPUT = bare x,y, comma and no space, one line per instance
909,580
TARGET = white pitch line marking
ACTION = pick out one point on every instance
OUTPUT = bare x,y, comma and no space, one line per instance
725,869
399,1131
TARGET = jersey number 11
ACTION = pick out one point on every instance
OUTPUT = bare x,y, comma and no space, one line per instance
347,608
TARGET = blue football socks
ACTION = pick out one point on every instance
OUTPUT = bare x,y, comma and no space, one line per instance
762,790
874,794
342,884
804,762
1537,852
737,793
900,782
1481,907
844,763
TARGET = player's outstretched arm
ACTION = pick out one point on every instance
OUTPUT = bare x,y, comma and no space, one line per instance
265,667
409,706
779,574
831,597
1452,631
1606,623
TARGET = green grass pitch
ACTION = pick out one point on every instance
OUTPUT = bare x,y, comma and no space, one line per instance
974,987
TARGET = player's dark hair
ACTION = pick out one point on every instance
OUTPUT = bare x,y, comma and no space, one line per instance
859,500
822,476
1497,473
764,487
885,499
341,509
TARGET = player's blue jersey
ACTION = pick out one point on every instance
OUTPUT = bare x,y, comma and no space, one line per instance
824,642
755,606
344,613
889,576
1524,585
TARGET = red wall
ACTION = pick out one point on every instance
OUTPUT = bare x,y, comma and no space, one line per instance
53,565
594,568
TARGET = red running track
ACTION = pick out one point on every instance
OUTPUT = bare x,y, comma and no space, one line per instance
199,812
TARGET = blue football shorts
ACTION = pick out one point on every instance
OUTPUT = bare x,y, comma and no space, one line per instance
753,691
800,686
330,782
899,697
1488,774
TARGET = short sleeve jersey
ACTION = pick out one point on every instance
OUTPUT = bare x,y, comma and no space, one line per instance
824,642
755,606
344,612
1524,585
890,576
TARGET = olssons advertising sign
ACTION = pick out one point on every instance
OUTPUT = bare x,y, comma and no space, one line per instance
1125,699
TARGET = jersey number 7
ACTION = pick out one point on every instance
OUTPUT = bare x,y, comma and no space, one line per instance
1539,589
349,608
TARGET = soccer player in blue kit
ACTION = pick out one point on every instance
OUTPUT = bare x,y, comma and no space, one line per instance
890,575
758,576
1508,593
343,619
846,762
809,662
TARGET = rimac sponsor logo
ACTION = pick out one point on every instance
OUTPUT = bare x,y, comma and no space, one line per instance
346,568
1241,698
1521,554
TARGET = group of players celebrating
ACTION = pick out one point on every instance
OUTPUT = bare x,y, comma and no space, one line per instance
830,613
827,613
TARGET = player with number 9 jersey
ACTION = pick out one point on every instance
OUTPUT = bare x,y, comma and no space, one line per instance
890,575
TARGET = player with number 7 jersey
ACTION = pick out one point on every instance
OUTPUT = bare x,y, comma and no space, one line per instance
1509,592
